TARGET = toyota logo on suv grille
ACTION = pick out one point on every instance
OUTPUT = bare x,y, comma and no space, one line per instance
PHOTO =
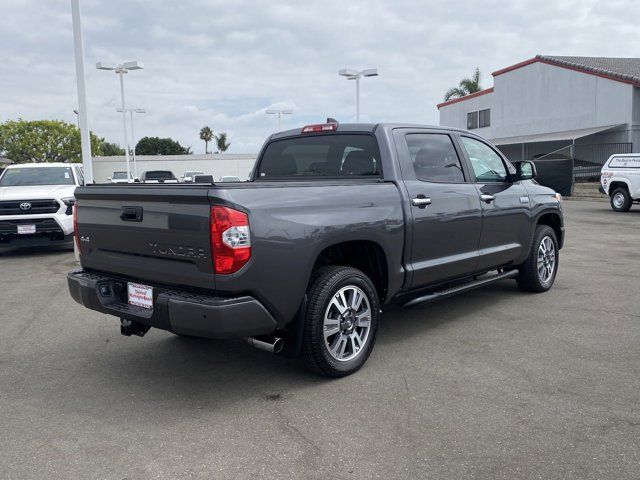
25,206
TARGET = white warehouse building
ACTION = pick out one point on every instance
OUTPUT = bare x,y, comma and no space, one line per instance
583,108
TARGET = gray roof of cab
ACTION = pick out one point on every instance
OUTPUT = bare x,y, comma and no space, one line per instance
364,127
626,69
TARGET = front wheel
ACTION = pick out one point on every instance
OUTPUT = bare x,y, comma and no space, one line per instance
341,321
538,272
621,200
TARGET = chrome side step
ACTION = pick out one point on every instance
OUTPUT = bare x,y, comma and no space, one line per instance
433,296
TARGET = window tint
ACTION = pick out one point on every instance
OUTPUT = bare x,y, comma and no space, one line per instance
484,118
472,120
487,164
18,177
434,158
337,155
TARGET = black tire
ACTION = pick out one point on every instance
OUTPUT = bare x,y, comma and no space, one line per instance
621,200
530,279
325,284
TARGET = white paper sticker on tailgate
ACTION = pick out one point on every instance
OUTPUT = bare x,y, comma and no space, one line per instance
140,295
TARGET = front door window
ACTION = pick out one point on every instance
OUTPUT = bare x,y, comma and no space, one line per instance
487,164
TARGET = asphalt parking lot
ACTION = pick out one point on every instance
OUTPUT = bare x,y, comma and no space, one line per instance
495,384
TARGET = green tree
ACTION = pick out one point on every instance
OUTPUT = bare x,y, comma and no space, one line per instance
109,149
222,143
206,135
43,141
160,146
467,86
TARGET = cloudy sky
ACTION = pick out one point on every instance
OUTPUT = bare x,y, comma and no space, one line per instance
223,63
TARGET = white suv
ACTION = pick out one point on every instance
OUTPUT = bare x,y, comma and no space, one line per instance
620,180
36,204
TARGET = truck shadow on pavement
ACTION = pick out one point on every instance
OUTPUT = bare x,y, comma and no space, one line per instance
96,368
220,373
399,323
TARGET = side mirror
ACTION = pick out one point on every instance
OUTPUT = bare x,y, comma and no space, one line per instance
526,170
109,179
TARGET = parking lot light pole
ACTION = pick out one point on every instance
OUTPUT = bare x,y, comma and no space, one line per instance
83,124
121,69
352,74
133,138
279,113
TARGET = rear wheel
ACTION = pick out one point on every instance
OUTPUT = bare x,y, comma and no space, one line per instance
621,200
341,321
538,272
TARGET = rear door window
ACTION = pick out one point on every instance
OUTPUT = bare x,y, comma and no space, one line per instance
321,156
434,158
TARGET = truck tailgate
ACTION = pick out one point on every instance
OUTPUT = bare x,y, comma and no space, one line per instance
147,232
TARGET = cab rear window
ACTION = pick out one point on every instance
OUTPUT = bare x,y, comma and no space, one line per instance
321,156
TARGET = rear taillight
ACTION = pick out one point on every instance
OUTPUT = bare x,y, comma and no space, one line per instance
76,235
230,239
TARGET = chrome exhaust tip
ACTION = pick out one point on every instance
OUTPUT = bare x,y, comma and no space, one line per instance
267,343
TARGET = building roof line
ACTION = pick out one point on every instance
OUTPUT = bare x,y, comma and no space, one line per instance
515,66
624,70
466,97
575,66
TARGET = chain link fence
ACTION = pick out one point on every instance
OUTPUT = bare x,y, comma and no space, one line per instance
588,159
576,163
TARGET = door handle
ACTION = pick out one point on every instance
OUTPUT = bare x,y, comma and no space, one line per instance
487,198
421,201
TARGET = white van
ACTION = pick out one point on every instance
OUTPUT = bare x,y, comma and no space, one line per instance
620,180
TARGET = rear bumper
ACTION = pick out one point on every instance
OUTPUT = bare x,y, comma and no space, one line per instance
177,311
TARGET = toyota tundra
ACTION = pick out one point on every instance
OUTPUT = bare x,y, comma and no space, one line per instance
336,222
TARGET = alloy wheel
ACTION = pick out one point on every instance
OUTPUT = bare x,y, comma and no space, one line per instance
347,323
546,259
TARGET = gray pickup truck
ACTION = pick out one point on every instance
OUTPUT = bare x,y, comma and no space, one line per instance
336,222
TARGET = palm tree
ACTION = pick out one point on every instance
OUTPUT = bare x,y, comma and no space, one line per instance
221,142
467,86
206,134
